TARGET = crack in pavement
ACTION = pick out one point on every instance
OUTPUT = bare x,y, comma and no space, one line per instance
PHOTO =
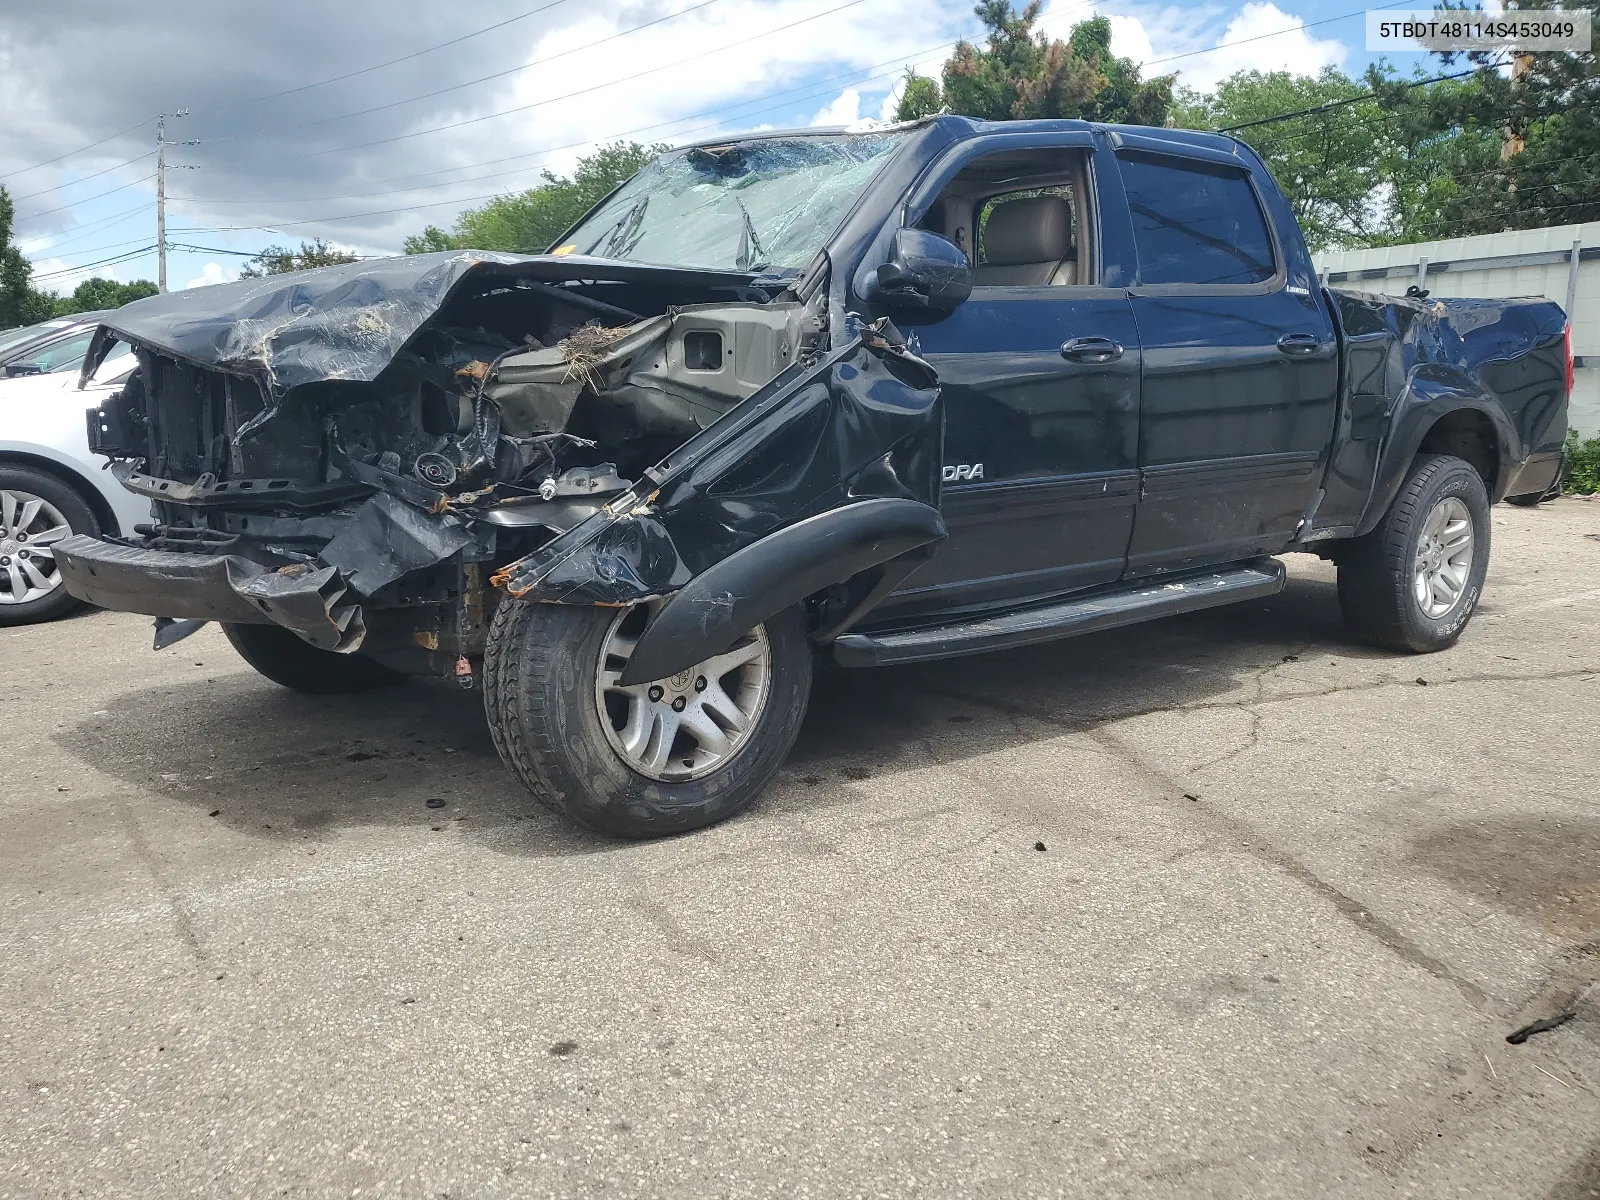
1241,833
182,917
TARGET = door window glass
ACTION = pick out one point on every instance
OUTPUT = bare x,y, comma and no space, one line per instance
1020,217
64,355
1194,223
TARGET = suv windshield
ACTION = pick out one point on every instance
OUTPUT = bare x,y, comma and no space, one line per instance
767,204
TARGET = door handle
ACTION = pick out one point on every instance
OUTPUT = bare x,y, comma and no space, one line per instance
1091,350
1299,344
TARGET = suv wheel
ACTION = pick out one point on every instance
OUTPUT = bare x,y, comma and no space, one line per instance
36,511
1414,581
649,759
283,658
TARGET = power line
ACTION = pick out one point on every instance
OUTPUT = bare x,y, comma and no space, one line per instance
80,150
97,249
1261,37
1333,104
549,100
97,227
86,199
455,87
815,88
85,179
104,262
306,87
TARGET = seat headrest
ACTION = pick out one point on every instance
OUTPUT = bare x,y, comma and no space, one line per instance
1032,230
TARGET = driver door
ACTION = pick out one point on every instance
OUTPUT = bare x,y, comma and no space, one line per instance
1040,373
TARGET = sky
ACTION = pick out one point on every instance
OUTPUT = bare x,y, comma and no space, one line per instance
364,121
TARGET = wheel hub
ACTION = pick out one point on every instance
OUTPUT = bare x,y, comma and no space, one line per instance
687,725
29,527
1443,559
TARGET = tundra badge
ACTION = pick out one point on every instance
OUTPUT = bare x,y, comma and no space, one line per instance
961,471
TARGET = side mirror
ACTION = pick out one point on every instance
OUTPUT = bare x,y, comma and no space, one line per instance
924,271
18,369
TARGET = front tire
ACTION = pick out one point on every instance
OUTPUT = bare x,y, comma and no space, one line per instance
1414,581
665,757
36,511
283,658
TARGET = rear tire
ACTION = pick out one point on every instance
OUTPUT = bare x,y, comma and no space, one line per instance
283,658
48,502
1412,583
546,703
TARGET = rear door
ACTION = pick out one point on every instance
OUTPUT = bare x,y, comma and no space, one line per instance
1240,371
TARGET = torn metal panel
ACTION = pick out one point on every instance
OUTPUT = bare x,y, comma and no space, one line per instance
864,422
312,602
671,375
388,538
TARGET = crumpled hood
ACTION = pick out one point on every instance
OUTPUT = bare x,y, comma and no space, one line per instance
343,322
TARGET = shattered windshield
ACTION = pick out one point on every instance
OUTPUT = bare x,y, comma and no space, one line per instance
762,205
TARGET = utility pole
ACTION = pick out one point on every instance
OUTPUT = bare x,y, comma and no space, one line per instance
161,203
161,194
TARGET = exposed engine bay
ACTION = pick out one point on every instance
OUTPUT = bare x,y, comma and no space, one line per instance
357,455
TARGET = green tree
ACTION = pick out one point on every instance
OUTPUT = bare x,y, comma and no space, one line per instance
280,260
1331,165
20,302
429,241
919,98
1021,73
1497,151
94,294
528,222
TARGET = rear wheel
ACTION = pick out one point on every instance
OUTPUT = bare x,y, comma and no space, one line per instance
647,759
1414,581
285,659
36,511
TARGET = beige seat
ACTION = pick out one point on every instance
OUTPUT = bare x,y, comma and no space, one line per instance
1028,243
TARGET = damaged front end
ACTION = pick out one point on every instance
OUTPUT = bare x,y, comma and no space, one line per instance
362,454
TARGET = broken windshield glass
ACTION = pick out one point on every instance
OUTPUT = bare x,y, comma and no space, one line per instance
762,205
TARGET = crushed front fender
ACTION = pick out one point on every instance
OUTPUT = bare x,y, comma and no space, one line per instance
863,422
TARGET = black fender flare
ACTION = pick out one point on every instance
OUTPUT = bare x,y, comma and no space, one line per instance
1422,406
711,611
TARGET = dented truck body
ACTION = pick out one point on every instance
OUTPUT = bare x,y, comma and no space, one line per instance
900,395
375,487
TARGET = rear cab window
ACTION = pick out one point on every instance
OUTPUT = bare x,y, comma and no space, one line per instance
1195,223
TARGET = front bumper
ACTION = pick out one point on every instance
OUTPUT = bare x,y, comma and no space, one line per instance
310,602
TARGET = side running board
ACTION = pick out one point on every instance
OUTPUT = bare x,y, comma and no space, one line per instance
1064,618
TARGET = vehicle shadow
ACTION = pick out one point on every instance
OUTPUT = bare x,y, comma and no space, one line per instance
274,764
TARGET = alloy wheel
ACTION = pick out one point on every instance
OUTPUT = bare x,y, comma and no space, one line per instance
1444,558
29,528
692,724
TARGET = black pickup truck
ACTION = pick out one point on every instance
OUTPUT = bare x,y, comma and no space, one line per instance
884,397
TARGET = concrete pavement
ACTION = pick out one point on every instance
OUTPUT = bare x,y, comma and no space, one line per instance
1292,894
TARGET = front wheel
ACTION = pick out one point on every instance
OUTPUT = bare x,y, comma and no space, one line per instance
1414,581
648,759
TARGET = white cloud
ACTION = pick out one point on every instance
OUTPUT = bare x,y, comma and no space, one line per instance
1129,40
213,273
663,104
1260,36
845,109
